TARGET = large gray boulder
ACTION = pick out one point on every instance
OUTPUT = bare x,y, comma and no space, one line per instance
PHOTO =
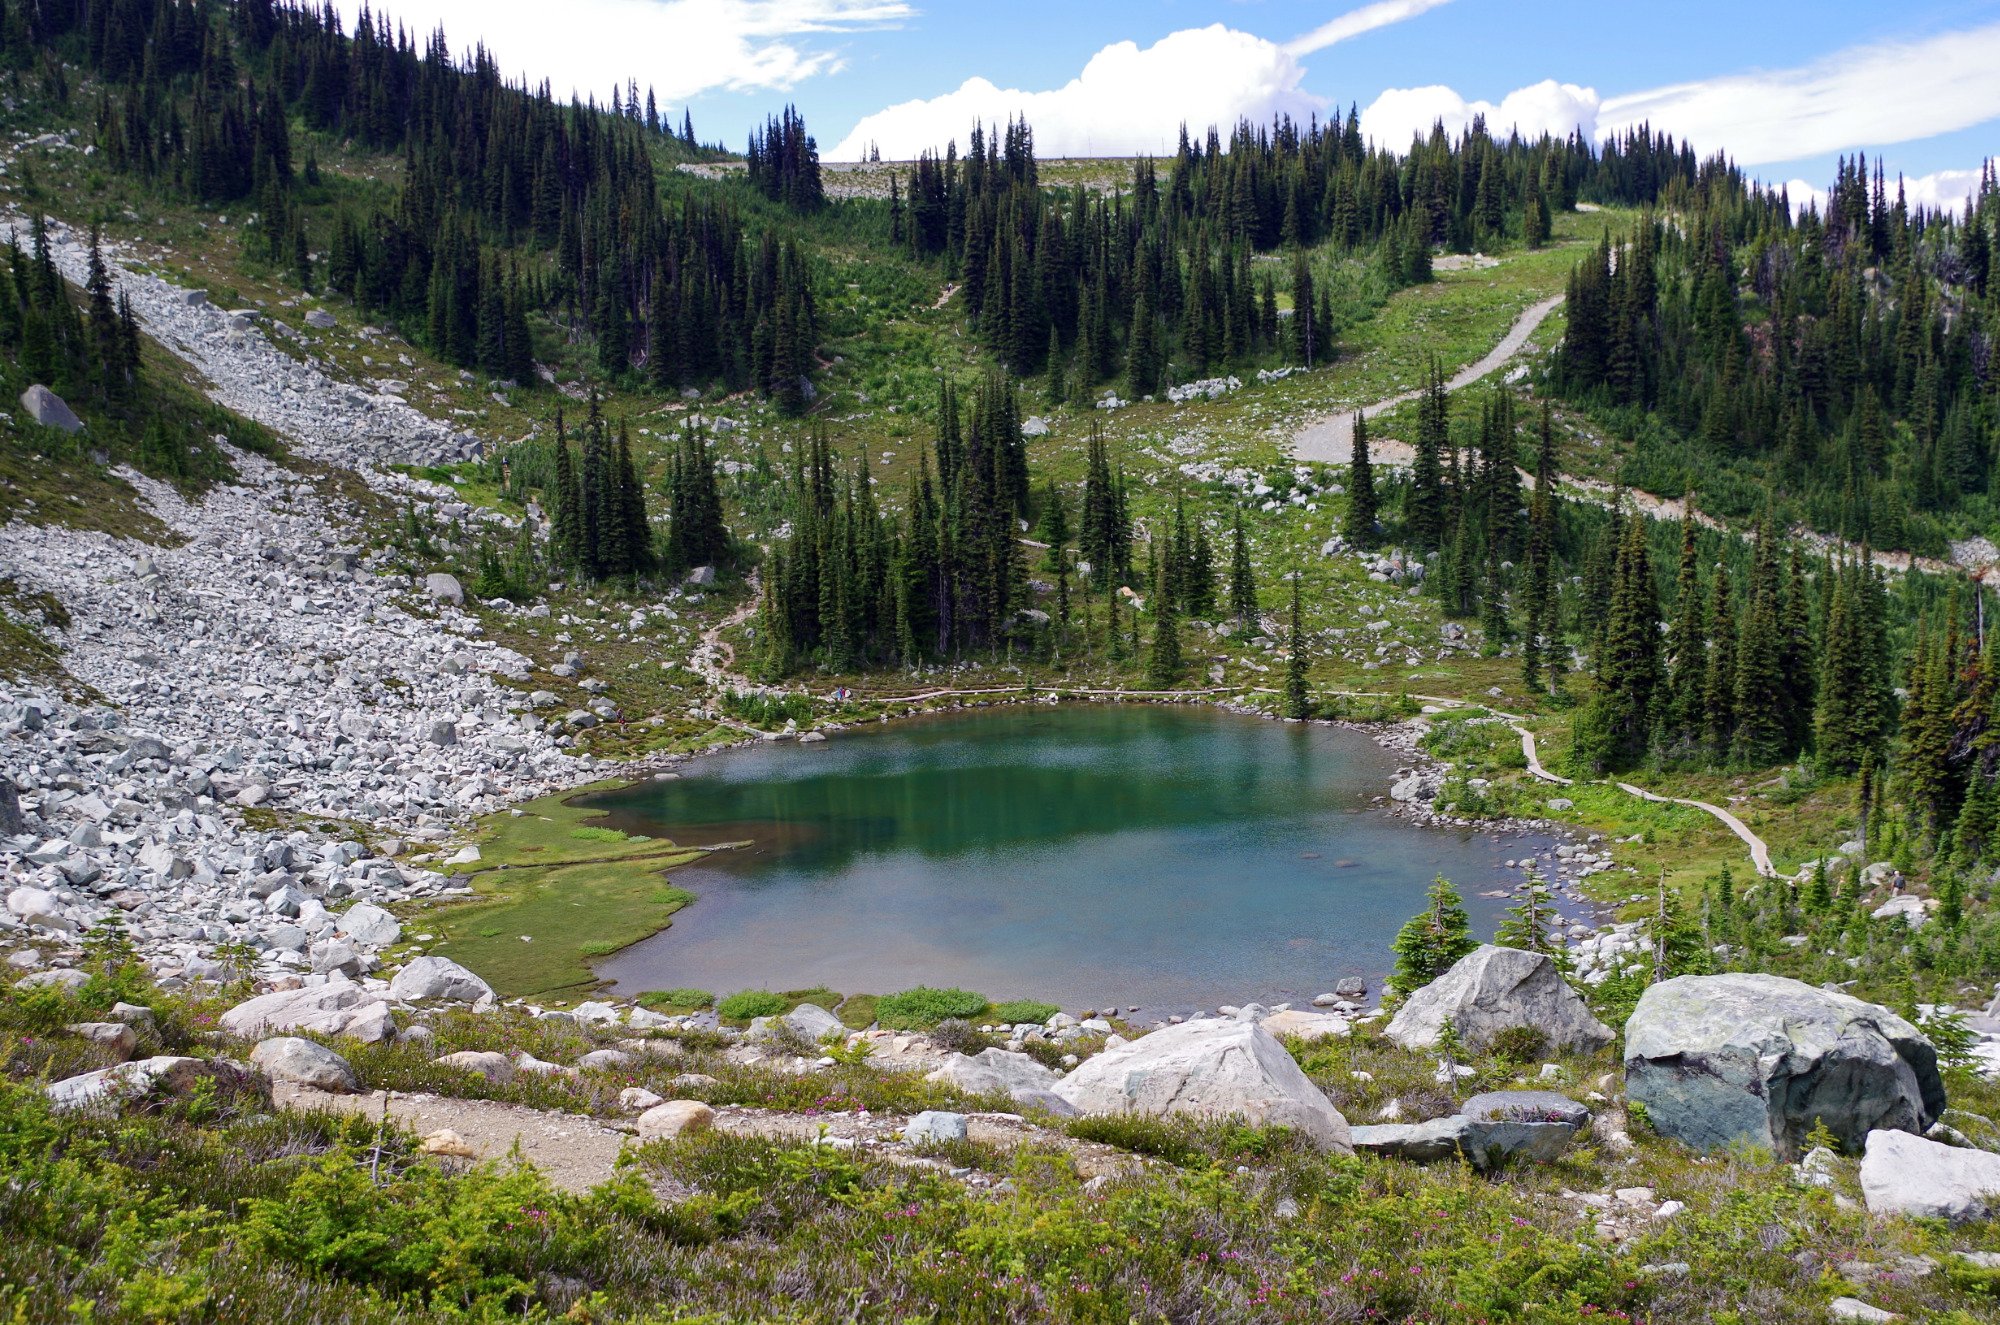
50,410
1492,989
1000,1072
1718,1059
1212,1068
445,588
429,978
1907,1175
808,1021
1419,1143
301,1062
338,1007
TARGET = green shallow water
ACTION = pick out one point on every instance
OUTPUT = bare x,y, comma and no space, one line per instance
1173,858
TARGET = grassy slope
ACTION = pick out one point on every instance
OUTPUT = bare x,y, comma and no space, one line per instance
217,1209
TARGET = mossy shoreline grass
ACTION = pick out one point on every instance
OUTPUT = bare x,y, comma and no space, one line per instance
555,891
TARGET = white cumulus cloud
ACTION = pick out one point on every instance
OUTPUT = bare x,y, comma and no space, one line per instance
1892,92
1127,100
681,48
1545,107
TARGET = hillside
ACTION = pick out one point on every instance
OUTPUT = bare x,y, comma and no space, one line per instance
392,453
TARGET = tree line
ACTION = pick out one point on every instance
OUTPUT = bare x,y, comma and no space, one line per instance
510,205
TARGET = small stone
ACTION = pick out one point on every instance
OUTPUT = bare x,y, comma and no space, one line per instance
447,1143
934,1125
1853,1308
637,1099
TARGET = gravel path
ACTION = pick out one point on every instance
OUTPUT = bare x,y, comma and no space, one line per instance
1330,440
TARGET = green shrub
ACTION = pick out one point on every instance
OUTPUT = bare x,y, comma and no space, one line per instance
1016,1011
677,998
1520,1044
925,1006
751,1003
607,835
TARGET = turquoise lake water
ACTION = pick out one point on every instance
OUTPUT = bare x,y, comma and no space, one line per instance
1172,858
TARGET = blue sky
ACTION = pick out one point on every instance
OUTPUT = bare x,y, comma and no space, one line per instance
1784,85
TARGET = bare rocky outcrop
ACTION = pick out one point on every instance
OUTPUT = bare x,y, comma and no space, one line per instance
1208,1068
1760,1059
1493,989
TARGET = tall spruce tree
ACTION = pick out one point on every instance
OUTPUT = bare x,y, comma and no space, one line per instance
1163,663
1620,722
1242,582
1298,658
1361,508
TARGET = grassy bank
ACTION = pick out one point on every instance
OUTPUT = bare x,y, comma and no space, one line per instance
555,893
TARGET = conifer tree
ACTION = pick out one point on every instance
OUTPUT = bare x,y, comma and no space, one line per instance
1628,675
1532,925
1677,946
1163,664
1305,345
1242,585
1298,698
1361,509
1426,509
1142,360
1718,689
1432,941
1688,641
1538,611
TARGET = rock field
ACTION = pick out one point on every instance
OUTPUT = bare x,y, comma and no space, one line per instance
258,661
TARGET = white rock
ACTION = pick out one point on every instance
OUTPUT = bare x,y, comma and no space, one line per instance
302,1062
675,1118
336,1008
428,978
1208,1068
1907,1175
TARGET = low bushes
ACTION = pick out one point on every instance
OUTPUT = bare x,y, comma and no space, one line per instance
1015,1011
751,1003
914,1009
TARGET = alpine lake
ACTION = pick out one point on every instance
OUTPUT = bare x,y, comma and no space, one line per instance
1169,858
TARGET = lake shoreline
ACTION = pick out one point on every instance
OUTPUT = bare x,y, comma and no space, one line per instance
1185,753
1401,736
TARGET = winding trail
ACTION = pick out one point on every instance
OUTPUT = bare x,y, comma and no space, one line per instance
715,656
1760,855
1535,760
1330,440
